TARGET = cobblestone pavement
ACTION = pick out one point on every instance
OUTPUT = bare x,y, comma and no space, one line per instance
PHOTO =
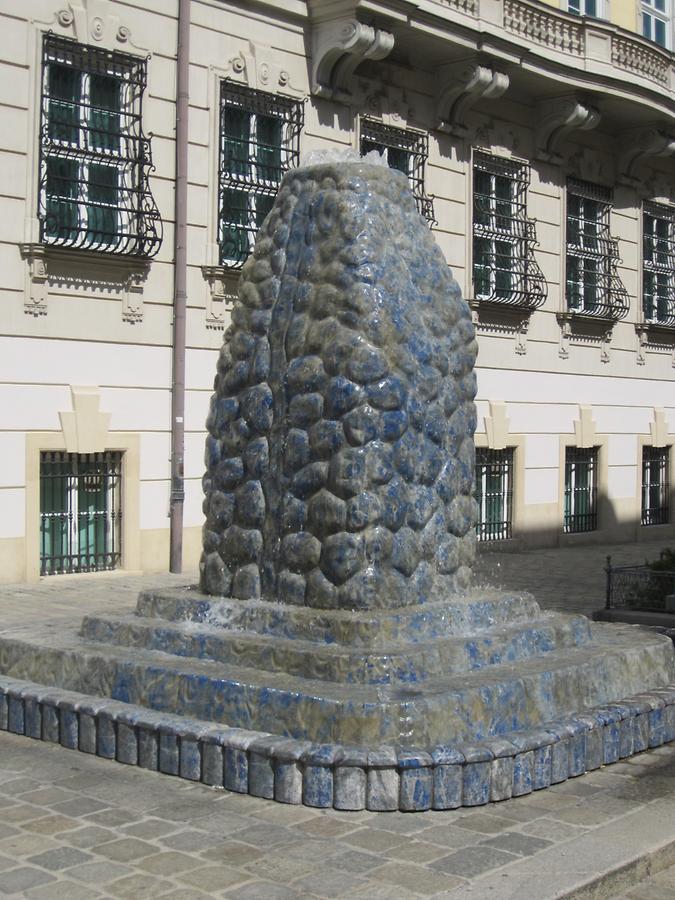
76,826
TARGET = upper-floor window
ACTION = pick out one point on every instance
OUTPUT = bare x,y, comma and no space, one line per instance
658,264
404,150
585,7
593,286
504,268
656,21
94,158
259,141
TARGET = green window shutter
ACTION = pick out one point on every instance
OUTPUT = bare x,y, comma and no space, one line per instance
236,139
104,115
262,209
482,191
482,263
103,200
504,268
399,159
269,148
62,218
234,235
503,203
54,517
65,90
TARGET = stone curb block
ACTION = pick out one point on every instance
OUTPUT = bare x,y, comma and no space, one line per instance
343,777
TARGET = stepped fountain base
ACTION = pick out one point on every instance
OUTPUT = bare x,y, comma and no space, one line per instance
456,704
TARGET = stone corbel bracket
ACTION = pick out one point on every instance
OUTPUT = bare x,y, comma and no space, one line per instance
338,47
35,292
641,144
222,292
465,85
557,119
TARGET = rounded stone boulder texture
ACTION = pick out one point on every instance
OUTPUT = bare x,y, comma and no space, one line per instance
340,451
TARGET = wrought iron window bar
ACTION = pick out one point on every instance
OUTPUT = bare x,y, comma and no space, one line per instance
658,265
259,142
406,151
95,161
494,494
581,490
80,512
655,486
593,286
505,270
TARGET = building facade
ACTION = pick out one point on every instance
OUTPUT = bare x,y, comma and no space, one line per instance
539,141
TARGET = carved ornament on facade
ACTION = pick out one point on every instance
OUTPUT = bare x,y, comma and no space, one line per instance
89,20
463,86
558,118
383,101
585,432
652,339
498,137
35,289
579,331
256,68
643,60
338,47
642,144
505,321
544,27
222,292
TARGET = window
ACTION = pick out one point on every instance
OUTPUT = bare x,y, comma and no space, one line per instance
656,23
581,489
655,486
94,159
504,268
584,7
80,512
494,491
259,141
593,286
404,150
658,264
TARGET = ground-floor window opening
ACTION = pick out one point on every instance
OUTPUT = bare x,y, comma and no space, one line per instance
655,486
494,493
80,511
581,489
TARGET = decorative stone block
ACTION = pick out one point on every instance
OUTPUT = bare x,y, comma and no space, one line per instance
416,788
317,789
127,743
190,757
448,778
543,761
577,747
350,779
476,774
32,715
236,759
383,782
594,754
68,725
169,752
626,712
50,721
4,710
523,773
15,719
657,723
261,768
288,770
148,747
610,734
501,769
213,756
560,750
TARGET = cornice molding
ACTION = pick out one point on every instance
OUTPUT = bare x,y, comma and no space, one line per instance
338,47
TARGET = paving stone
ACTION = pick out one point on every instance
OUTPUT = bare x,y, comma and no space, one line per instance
374,839
113,818
20,786
264,890
449,836
167,863
522,844
77,807
326,827
63,888
125,849
413,878
51,824
265,835
190,841
149,828
47,796
22,813
354,861
373,890
20,880
6,831
283,867
88,836
22,845
60,858
551,830
472,861
484,823
233,853
135,886
185,894
213,878
327,883
99,872
6,862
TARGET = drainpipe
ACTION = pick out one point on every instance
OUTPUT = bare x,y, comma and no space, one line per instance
180,295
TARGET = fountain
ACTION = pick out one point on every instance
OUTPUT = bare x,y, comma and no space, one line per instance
335,652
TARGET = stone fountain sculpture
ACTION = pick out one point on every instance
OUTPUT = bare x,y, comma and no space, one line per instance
335,653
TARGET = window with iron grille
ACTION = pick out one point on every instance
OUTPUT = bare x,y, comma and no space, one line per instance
581,489
504,268
259,142
658,264
593,286
80,512
655,486
94,192
585,7
494,493
404,150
